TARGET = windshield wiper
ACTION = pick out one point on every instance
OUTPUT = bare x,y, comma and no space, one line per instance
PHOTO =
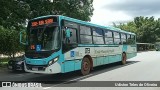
44,30
40,37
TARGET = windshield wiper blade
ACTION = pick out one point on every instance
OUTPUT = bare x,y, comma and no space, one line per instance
40,37
44,29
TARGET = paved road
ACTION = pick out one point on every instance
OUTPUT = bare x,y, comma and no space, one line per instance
144,67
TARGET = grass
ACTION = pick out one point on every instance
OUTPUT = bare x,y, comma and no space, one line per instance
3,62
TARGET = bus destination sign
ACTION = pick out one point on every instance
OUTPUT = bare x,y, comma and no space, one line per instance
42,22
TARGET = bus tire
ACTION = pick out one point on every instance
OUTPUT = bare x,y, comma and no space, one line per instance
85,66
124,58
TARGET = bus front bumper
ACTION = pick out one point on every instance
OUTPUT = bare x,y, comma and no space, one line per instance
52,69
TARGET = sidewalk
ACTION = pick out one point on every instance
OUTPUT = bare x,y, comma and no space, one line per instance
145,51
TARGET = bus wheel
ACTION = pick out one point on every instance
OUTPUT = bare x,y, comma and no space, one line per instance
85,66
124,58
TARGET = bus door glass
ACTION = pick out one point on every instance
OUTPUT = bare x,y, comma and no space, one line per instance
69,36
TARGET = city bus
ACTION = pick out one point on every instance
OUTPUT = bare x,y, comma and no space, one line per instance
60,44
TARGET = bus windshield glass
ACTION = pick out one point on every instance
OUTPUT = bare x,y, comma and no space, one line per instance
44,39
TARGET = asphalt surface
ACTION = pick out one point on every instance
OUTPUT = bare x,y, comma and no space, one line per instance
144,67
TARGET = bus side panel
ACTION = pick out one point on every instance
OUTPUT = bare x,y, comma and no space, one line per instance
106,60
131,55
119,57
99,60
94,62
131,52
77,64
100,52
107,54
69,66
115,58
73,59
61,62
72,65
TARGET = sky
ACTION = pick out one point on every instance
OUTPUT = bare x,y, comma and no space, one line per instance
121,11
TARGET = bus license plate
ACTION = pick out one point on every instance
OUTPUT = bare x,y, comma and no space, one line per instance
35,69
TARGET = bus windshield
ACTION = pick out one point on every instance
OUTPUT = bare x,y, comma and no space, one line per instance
44,39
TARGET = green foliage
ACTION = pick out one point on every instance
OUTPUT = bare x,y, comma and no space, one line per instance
15,13
80,9
147,29
9,42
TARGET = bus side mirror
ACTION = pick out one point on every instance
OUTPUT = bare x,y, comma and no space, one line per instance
23,37
68,33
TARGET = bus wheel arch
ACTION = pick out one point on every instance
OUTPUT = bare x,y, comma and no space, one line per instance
86,65
124,58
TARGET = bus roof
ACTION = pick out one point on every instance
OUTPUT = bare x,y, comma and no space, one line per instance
87,23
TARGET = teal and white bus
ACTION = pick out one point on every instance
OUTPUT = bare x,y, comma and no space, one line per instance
60,44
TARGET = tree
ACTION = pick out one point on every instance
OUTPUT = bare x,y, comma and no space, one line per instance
13,14
9,42
81,9
147,29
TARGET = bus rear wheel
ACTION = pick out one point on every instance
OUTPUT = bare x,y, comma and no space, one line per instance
124,58
85,66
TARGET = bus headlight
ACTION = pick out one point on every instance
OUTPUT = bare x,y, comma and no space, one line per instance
53,61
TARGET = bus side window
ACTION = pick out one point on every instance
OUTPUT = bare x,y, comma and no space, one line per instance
69,39
123,38
73,36
67,35
109,37
117,38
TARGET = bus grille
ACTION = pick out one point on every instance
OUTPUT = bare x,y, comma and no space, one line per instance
38,67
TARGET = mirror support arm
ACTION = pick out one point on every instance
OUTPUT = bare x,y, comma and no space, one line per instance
24,43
